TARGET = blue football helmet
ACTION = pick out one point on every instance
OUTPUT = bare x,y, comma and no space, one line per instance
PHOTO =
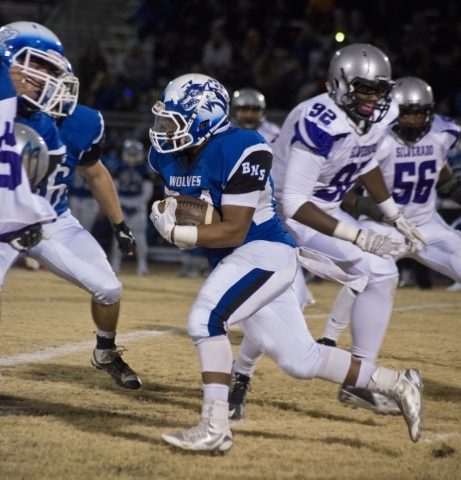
192,108
39,53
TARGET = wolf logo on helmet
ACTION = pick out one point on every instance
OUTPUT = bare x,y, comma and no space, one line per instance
192,108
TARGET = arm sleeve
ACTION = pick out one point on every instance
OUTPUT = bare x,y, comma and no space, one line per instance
91,156
250,173
303,170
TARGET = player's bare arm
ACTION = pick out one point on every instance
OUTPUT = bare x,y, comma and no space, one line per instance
230,232
103,190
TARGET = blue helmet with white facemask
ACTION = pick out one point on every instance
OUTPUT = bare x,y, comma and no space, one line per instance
28,44
192,108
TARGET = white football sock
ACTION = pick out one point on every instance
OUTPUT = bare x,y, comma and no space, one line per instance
340,315
247,358
216,391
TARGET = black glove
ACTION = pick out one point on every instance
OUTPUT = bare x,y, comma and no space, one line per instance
25,238
125,238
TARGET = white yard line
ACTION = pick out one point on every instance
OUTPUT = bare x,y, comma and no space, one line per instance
45,354
73,348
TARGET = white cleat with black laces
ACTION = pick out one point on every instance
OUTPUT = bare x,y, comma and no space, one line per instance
110,360
212,434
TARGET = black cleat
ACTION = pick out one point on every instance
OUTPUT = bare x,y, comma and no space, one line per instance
326,341
112,363
237,393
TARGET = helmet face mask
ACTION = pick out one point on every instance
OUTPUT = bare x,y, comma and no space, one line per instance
193,107
248,107
359,81
416,109
39,54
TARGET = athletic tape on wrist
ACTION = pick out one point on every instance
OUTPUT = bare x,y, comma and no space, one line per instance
185,236
345,231
389,208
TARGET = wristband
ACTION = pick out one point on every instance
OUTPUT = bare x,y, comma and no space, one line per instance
345,231
389,208
184,237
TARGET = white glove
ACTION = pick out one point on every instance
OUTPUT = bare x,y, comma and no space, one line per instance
414,239
379,243
166,221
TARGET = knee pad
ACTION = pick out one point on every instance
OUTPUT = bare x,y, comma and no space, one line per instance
108,295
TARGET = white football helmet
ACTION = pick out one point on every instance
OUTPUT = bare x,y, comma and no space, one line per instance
34,153
30,45
192,108
355,66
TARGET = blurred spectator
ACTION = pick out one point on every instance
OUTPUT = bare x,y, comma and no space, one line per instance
152,17
91,65
305,46
105,94
194,17
166,55
217,55
132,70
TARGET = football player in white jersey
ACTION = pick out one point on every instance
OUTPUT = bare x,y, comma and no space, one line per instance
21,212
412,158
326,143
196,152
35,54
248,109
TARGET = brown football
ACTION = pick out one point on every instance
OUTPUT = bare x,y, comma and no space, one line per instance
193,211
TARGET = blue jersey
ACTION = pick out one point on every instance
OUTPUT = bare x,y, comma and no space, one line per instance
81,133
234,162
43,124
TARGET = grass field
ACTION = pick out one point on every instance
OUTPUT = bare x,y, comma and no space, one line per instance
60,418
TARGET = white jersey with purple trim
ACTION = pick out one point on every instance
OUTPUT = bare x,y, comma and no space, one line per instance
324,129
270,131
19,207
411,172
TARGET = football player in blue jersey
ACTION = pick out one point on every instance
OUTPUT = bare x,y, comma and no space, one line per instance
196,152
46,86
134,183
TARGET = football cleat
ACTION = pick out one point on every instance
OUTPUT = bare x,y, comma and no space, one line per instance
212,434
326,341
456,287
111,361
408,394
354,397
239,386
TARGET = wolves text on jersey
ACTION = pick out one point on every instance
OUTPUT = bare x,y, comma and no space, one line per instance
189,181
